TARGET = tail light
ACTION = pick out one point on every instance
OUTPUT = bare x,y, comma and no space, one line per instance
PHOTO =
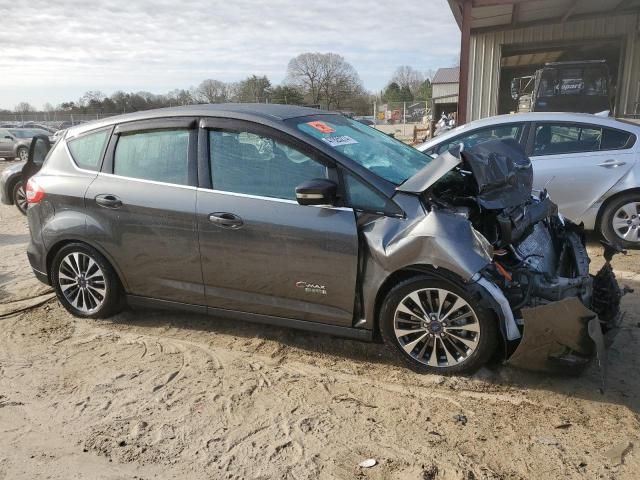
34,192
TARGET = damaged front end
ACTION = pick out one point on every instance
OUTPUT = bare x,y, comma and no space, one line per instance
555,315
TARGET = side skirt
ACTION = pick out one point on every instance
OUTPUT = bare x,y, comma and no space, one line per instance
338,331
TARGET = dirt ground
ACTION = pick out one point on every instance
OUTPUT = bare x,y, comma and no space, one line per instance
172,395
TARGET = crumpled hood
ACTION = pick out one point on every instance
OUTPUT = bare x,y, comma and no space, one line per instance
501,169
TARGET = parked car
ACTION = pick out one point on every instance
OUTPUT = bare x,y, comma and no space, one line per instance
365,121
14,143
588,163
12,178
296,217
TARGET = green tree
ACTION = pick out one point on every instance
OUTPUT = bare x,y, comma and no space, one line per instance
287,94
254,89
425,91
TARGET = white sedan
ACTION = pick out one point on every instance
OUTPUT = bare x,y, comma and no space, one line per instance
588,163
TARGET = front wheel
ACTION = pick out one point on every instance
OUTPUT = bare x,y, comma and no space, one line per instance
438,326
621,221
19,197
85,283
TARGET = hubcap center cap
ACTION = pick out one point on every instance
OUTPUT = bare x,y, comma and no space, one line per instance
435,327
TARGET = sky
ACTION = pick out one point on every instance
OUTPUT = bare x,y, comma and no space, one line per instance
56,51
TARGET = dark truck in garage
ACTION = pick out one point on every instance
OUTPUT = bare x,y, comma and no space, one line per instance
564,87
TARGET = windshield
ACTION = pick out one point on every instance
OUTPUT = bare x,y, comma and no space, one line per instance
376,151
22,133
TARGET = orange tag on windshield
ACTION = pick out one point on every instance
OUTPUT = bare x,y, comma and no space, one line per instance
321,126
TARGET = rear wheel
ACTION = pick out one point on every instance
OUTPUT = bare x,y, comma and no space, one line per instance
620,222
19,197
438,326
85,283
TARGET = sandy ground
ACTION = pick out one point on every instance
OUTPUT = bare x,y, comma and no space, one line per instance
171,395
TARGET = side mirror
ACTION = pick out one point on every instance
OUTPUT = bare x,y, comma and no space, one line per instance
514,89
318,191
8,137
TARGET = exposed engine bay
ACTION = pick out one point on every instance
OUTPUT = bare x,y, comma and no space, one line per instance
539,259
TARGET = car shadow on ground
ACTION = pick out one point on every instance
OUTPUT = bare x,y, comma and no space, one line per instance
622,381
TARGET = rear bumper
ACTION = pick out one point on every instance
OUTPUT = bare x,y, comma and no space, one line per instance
36,249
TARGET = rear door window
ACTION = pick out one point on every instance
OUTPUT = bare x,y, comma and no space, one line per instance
87,150
161,156
557,139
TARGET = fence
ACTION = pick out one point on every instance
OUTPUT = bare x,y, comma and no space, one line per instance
51,118
407,121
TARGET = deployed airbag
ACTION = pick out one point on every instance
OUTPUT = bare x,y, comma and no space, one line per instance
502,172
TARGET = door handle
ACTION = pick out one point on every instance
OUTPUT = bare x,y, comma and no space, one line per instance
108,200
225,220
611,164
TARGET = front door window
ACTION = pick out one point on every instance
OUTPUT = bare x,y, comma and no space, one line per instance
243,162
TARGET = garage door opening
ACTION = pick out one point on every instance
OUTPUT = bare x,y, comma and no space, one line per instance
522,61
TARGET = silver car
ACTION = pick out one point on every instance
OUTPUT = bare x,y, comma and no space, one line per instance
588,163
308,219
14,142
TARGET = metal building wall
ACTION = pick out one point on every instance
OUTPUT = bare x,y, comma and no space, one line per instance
444,89
485,53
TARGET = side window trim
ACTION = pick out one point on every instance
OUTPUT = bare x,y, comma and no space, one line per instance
103,154
187,123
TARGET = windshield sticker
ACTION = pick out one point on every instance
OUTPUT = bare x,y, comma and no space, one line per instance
339,141
321,126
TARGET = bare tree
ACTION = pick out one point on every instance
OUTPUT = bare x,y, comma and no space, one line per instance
47,107
306,72
408,77
429,74
91,98
340,80
324,77
24,107
211,91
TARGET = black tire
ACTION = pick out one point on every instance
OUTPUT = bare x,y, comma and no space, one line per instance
112,301
609,217
486,324
22,152
19,198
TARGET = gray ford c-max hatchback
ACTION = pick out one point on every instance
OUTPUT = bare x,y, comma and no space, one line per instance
302,218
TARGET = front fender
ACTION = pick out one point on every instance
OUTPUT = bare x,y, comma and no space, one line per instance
436,239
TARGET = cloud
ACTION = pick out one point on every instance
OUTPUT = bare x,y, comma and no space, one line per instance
55,48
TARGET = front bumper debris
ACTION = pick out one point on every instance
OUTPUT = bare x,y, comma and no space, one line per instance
556,337
564,336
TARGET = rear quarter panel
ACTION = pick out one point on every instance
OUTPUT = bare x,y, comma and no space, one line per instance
61,214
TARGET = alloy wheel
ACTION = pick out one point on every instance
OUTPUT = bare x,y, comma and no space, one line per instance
23,154
82,282
21,199
626,222
436,327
